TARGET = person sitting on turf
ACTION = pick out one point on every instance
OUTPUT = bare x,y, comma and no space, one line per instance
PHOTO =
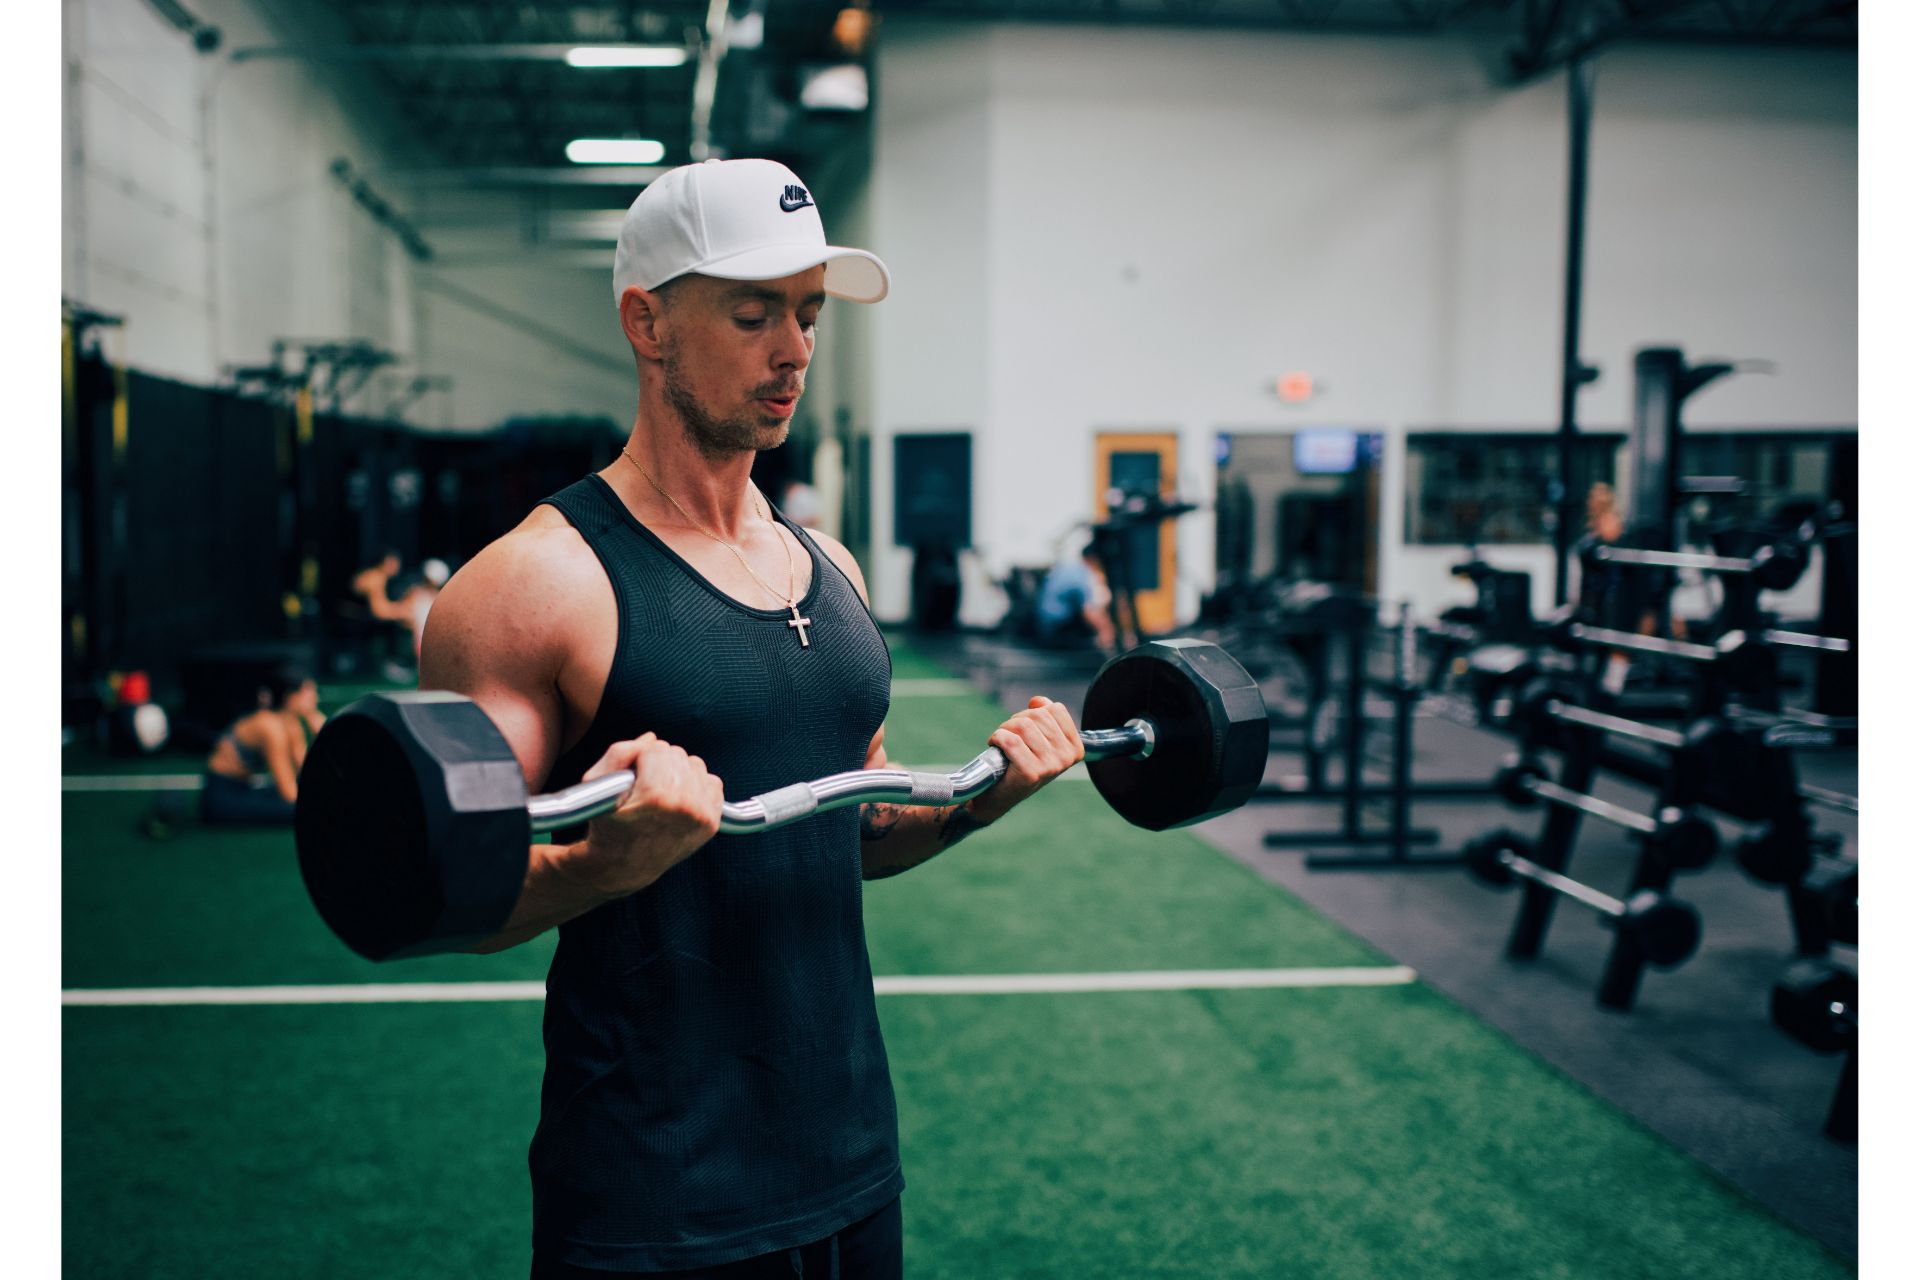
252,774
415,601
1072,606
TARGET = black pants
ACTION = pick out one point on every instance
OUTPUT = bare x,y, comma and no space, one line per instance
1068,632
870,1249
229,802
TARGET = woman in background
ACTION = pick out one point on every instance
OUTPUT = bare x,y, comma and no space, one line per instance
252,774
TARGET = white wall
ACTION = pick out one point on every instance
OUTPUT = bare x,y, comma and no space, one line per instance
198,203
1104,229
933,224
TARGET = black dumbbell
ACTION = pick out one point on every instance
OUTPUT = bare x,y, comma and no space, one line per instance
1533,716
1817,1004
1781,851
1677,837
1665,930
1830,892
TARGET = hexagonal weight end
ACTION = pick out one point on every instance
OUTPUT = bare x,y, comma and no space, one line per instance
412,825
1485,860
1210,733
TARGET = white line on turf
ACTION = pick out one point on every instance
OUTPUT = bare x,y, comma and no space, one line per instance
1170,980
897,985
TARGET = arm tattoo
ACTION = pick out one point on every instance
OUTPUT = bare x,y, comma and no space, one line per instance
877,820
956,826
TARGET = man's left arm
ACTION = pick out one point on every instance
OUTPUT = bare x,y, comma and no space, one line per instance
1040,744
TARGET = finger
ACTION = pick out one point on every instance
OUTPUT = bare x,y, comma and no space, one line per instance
1040,735
621,755
1020,757
1064,718
1049,735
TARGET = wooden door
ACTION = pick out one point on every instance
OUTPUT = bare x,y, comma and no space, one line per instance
1141,462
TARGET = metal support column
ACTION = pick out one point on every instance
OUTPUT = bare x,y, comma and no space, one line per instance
1574,374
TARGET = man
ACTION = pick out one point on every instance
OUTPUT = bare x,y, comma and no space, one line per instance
716,1100
410,610
1072,605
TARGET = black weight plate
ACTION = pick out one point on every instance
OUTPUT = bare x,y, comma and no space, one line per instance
412,825
1210,727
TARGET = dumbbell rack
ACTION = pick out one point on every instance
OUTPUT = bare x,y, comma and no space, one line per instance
1747,771
1580,741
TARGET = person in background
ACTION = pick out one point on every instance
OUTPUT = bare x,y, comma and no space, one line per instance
252,774
1072,605
410,609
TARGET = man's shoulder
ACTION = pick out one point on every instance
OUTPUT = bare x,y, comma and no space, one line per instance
541,552
836,551
529,579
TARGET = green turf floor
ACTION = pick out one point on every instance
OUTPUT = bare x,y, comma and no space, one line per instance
1339,1133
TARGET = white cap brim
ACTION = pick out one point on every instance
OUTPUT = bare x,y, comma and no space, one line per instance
853,274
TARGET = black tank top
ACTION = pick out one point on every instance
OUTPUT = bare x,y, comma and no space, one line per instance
716,1086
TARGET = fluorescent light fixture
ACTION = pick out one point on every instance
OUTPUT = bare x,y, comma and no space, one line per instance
615,151
629,55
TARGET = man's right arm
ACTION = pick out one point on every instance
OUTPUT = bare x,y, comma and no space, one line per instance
500,633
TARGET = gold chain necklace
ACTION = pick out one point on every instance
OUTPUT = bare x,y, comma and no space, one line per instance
790,602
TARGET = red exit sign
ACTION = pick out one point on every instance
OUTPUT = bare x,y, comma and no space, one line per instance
1295,388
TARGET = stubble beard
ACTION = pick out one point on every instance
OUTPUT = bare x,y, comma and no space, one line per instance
717,438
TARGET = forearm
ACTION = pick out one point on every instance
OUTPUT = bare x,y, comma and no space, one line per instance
553,893
896,838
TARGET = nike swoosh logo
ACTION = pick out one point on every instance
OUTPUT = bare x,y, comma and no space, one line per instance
788,206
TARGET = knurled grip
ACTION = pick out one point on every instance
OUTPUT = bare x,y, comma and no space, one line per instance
788,803
931,788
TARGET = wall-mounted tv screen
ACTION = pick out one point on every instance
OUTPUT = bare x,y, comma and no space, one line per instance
1325,452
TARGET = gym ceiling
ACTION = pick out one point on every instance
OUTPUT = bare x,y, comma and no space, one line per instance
478,95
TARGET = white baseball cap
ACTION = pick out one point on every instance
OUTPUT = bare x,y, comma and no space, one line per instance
735,220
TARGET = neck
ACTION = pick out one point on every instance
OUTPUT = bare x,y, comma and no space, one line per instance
714,493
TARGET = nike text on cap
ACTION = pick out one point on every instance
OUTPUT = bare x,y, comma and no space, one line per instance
735,220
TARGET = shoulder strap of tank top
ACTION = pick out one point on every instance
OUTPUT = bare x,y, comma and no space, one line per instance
587,504
821,557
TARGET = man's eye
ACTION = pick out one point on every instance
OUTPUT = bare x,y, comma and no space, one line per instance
749,322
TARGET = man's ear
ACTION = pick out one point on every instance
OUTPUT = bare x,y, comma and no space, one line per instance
640,316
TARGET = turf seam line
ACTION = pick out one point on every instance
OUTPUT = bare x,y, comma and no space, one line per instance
131,782
890,985
932,688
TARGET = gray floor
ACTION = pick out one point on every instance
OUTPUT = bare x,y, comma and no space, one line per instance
1697,1060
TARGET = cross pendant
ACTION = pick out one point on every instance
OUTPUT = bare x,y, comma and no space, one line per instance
800,624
